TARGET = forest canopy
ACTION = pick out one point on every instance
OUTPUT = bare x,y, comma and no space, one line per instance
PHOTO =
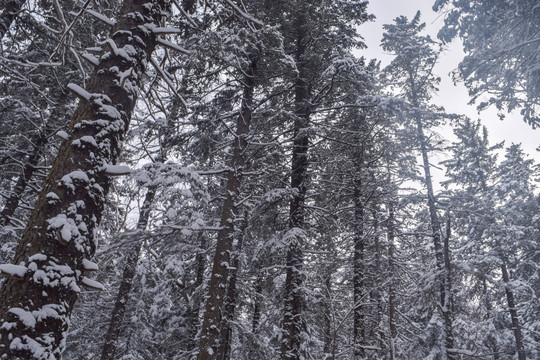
229,180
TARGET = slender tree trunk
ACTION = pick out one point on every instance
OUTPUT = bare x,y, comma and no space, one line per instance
359,336
327,302
391,231
491,338
443,267
10,10
12,202
516,328
209,340
224,350
195,306
50,261
257,306
292,311
379,328
130,267
327,347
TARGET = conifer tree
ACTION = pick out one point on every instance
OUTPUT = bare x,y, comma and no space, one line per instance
54,252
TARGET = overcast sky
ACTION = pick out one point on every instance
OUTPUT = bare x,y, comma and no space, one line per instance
453,98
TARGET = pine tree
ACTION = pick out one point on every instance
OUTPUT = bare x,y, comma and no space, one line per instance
53,253
412,69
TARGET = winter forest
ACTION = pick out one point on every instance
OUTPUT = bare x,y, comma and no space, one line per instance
235,180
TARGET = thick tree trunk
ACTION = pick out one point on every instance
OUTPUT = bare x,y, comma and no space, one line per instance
10,10
443,267
12,202
292,310
359,336
124,290
209,340
516,327
51,259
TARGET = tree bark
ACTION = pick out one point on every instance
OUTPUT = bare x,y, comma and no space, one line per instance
224,350
359,336
292,311
391,231
209,340
130,267
52,254
443,267
516,328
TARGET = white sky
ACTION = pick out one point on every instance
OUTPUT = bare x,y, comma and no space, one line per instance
454,98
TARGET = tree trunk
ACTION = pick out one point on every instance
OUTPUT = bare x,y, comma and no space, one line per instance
379,329
13,201
359,336
224,350
50,261
195,302
257,306
443,267
209,340
516,328
9,13
391,231
130,267
292,311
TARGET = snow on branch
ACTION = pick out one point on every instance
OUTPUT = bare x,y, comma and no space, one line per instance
90,265
244,14
101,17
165,30
173,46
17,271
92,284
90,58
116,170
79,91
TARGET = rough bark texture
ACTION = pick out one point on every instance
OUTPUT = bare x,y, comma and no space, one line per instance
52,254
10,9
12,203
292,311
130,268
209,340
443,267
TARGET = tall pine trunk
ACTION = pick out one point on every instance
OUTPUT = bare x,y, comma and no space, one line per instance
224,350
391,233
51,259
516,327
292,311
213,315
130,267
442,257
359,336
